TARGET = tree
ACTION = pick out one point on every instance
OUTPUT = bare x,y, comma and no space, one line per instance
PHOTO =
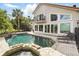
5,24
20,22
13,21
17,13
25,24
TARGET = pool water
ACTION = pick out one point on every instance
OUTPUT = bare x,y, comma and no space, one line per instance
26,38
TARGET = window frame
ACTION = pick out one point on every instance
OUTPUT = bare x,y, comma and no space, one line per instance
37,27
66,15
55,28
41,17
47,28
54,15
66,30
42,28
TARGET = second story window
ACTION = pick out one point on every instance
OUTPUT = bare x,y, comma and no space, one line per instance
65,17
41,17
53,17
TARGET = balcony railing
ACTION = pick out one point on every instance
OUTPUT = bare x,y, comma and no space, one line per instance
40,21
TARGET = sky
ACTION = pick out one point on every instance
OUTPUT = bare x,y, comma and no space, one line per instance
27,8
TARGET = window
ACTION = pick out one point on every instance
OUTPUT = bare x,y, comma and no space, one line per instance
47,28
64,27
64,17
41,28
36,27
53,17
54,28
41,17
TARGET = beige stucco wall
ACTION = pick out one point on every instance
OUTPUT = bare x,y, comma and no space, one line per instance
47,10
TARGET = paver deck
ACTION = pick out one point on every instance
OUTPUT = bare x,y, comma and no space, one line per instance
65,48
3,45
49,52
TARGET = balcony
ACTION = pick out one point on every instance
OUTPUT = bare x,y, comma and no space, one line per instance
39,18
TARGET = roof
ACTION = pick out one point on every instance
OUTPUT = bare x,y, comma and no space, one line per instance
59,6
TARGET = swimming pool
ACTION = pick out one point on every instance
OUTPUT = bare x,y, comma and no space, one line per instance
27,38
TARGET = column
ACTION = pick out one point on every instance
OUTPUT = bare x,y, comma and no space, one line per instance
58,28
58,24
50,28
71,27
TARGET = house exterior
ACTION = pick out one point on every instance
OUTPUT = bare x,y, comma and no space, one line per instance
55,19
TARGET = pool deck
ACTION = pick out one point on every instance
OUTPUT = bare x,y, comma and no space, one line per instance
50,52
64,48
59,49
3,45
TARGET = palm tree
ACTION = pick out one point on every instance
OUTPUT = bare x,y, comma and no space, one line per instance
17,13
